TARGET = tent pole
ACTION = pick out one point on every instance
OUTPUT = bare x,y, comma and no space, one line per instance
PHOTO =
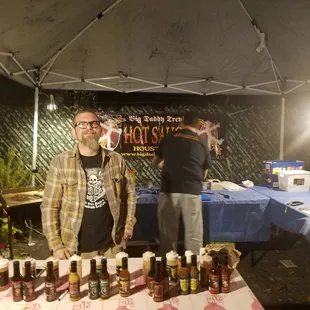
35,135
282,127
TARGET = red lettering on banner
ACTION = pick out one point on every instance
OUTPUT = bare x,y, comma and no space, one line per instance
138,139
155,135
128,134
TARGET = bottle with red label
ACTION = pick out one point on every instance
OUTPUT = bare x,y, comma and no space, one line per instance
214,276
28,284
165,276
150,276
225,276
158,284
74,282
16,282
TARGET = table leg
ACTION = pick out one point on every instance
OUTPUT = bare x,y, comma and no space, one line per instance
10,236
253,261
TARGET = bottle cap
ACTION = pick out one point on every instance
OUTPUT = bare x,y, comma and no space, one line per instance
172,255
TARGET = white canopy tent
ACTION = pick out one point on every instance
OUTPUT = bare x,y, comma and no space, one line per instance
199,47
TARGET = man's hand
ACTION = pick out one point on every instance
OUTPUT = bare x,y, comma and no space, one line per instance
62,253
126,236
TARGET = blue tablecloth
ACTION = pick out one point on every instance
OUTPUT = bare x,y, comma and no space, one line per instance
242,217
288,217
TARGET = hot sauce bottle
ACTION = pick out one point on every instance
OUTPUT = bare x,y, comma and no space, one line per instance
104,280
16,282
28,284
184,277
93,281
150,276
225,276
214,277
165,276
124,279
158,284
50,283
74,282
194,276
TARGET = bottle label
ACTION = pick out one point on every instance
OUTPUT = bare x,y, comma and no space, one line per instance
104,288
225,283
166,286
93,289
194,284
74,290
17,289
150,286
56,273
28,290
50,291
184,284
158,290
173,272
4,277
214,283
124,286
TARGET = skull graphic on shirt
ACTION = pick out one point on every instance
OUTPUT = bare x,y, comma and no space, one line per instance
95,188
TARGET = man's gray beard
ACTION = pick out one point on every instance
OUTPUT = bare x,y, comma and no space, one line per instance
92,143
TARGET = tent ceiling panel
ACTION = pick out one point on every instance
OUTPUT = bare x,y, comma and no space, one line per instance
37,29
164,42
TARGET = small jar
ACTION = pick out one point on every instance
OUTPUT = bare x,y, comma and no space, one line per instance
4,274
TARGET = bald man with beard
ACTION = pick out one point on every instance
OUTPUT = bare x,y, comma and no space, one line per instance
89,199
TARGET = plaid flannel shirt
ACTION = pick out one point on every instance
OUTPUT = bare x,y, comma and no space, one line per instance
64,198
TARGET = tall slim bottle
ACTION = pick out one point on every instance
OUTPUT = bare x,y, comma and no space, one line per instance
50,283
74,282
16,282
28,284
158,284
93,281
124,279
104,280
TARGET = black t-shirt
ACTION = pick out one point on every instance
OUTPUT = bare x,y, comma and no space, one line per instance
97,222
185,156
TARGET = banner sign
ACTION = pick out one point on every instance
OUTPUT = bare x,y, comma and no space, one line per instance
139,135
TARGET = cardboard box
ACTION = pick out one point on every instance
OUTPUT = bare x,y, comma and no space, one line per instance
272,167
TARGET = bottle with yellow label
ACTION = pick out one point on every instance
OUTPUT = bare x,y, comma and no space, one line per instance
184,277
194,275
124,279
74,282
172,266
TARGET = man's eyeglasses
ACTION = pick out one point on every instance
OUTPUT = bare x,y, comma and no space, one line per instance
83,125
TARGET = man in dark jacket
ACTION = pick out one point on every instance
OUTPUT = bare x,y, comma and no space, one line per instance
185,159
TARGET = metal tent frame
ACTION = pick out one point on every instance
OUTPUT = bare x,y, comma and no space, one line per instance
284,87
